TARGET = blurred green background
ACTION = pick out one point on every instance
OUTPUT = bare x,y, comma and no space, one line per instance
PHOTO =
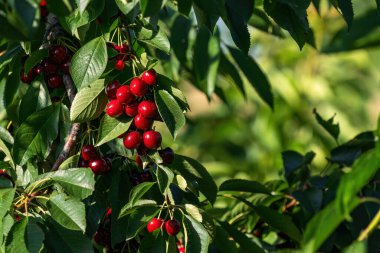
245,138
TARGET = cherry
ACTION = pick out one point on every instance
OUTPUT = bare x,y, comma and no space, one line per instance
131,109
154,224
58,54
48,67
114,108
99,166
65,67
152,139
147,109
37,70
181,249
132,140
109,211
54,81
26,78
111,89
89,153
138,87
139,161
167,155
149,77
82,163
123,48
145,176
172,227
142,150
142,122
43,3
124,95
119,65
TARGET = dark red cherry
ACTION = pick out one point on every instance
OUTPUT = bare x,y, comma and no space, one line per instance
148,109
139,161
132,140
65,67
102,237
43,3
172,227
119,65
154,224
58,54
26,77
114,108
138,87
142,122
37,70
152,139
48,67
149,77
167,155
124,95
54,81
99,166
111,89
89,153
131,109
145,176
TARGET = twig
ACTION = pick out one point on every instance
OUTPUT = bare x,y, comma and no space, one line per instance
372,226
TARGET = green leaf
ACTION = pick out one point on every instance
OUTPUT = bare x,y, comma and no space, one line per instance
36,134
206,60
170,111
68,212
138,192
346,8
278,221
152,244
89,62
197,238
184,6
254,75
164,178
16,241
151,7
246,244
357,247
155,38
89,103
320,227
6,136
223,241
242,185
4,148
179,39
192,169
10,31
35,236
262,22
78,182
35,58
6,198
168,85
328,125
110,128
60,7
126,6
128,209
82,4
229,69
70,162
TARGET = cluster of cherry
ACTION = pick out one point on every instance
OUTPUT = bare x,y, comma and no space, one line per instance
172,226
91,158
53,67
122,56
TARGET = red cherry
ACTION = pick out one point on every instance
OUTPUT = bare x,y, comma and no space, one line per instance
54,81
58,54
111,89
167,155
124,95
132,140
149,77
89,153
82,163
99,166
109,211
148,109
48,67
142,150
124,48
139,161
138,87
119,65
131,109
152,139
37,70
114,108
65,67
142,122
43,3
27,78
172,227
181,249
154,224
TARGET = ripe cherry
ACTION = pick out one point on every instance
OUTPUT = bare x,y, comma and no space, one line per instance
181,249
142,122
119,65
148,109
111,89
131,109
167,155
124,95
139,161
172,227
138,87
154,224
89,153
149,77
48,67
99,166
58,54
54,81
145,176
114,108
152,139
132,140
123,48
37,70
109,211
43,3
65,67
26,77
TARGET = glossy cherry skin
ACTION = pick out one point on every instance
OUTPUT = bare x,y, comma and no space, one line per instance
27,77
111,89
48,67
167,155
138,87
99,166
124,95
58,54
82,163
109,211
152,139
37,70
154,224
114,108
54,81
119,65
89,153
181,249
172,227
132,140
65,67
148,109
131,109
43,3
149,77
142,122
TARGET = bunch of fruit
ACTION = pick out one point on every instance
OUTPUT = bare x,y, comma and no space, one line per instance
122,56
90,158
172,226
